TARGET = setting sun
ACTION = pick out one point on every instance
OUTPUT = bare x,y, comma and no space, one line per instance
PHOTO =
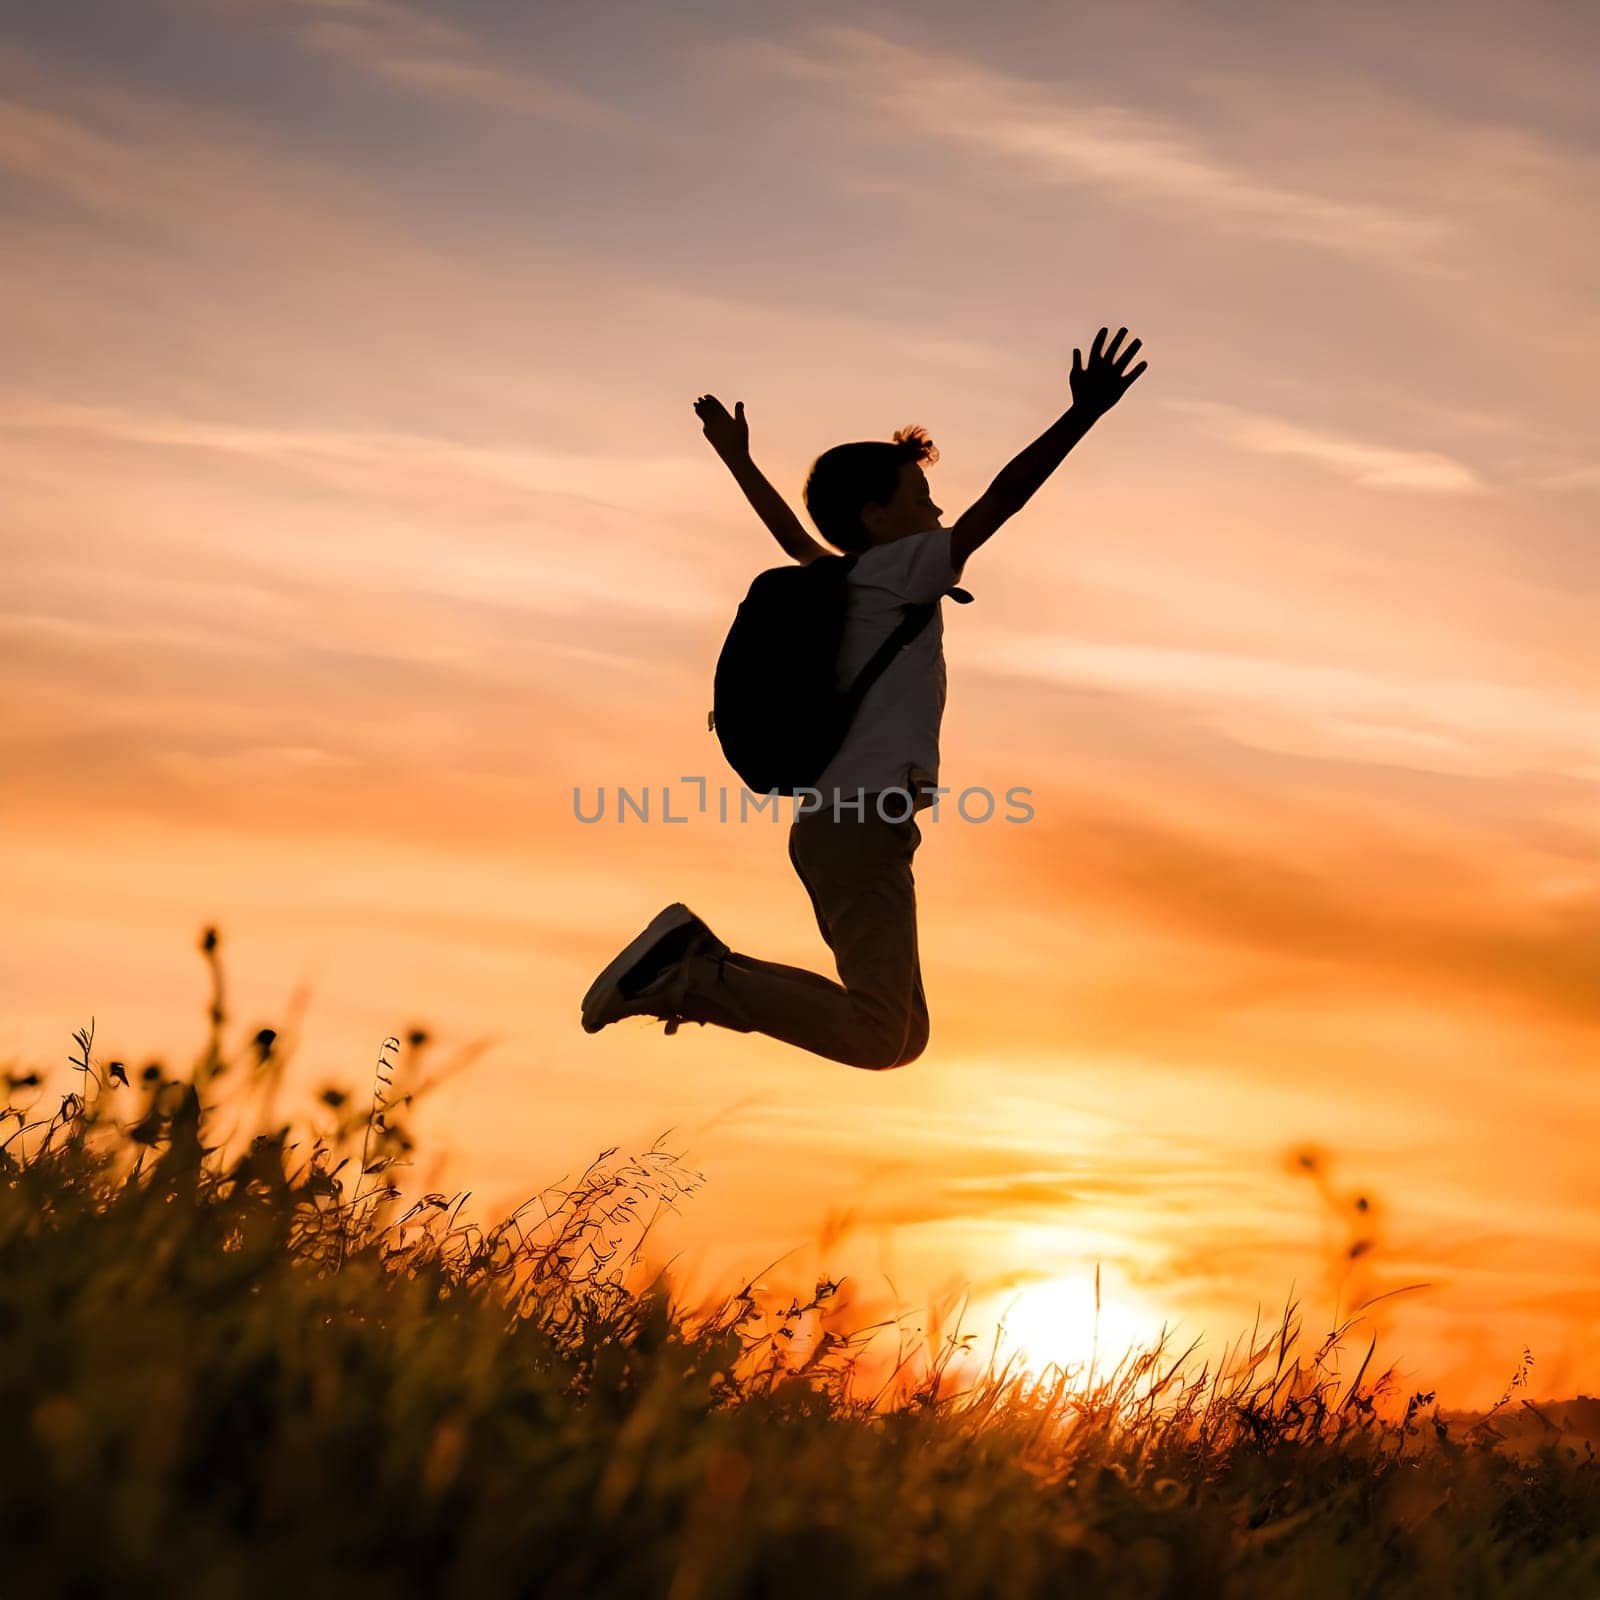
1057,1323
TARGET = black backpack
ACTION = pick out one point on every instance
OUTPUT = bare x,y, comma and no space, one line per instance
776,705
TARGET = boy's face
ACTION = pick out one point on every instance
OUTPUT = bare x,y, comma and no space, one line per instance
910,511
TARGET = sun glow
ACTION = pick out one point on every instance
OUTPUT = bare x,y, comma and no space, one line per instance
1070,1322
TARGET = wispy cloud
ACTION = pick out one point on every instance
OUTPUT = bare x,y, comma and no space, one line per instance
41,146
178,171
1407,930
1038,129
1377,466
1576,478
1463,724
418,53
374,459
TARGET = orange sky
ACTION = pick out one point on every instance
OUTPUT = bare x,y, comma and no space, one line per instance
354,512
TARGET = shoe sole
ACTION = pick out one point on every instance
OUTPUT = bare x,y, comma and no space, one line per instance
603,992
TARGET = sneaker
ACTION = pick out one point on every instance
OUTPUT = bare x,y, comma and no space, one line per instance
638,981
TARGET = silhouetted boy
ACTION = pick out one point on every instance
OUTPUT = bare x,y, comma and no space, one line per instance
871,499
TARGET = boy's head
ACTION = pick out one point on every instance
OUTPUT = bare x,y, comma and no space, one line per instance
865,494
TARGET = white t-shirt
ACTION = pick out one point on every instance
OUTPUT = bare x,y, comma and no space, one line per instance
894,741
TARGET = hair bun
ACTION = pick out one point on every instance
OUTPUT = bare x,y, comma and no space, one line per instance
922,448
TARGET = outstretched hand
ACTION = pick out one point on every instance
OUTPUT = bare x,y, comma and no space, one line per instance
728,435
1099,385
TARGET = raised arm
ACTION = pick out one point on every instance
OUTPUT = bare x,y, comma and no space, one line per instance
730,438
1095,389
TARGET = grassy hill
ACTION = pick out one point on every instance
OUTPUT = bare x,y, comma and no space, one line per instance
234,1362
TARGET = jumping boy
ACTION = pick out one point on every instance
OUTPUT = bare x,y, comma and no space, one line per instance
872,500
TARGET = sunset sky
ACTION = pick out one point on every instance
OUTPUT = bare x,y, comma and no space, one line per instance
354,513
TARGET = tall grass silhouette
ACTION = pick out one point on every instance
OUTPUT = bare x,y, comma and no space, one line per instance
235,1359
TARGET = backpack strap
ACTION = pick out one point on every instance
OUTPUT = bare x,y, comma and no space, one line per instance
915,620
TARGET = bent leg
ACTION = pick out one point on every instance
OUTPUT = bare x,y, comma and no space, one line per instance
858,875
